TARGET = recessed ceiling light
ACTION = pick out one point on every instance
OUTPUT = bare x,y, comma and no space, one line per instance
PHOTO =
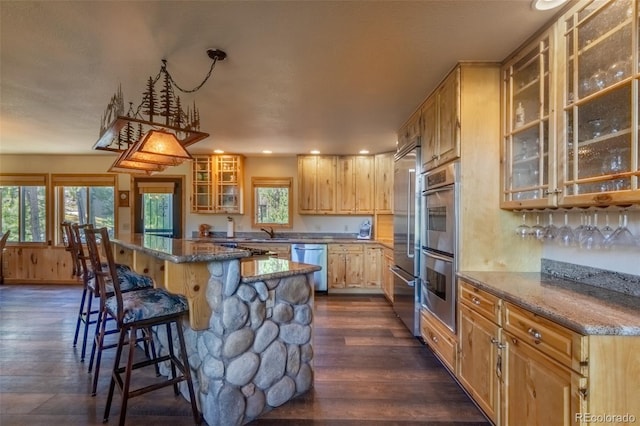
364,151
315,151
547,4
266,151
218,151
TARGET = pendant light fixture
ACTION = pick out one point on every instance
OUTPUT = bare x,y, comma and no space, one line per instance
155,134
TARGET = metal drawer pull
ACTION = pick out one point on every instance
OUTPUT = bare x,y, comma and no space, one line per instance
434,338
537,336
497,343
475,300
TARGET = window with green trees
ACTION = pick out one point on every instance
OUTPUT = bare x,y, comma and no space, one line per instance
272,201
24,212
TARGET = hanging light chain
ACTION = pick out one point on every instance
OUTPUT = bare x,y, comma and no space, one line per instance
195,89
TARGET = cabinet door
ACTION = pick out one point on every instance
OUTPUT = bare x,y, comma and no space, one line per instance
384,183
480,361
202,199
429,152
373,272
600,162
354,269
346,185
537,390
229,176
307,183
326,184
528,145
387,275
364,183
336,269
449,118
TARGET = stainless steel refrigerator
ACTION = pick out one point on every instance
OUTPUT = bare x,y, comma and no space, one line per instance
406,236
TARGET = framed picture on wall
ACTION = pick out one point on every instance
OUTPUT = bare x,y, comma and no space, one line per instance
123,198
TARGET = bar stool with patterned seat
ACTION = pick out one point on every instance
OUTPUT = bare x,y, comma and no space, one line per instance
136,310
128,280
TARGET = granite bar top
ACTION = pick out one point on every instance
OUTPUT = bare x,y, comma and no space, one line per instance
292,239
260,268
586,309
180,250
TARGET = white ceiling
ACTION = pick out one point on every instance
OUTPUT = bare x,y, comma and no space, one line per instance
338,76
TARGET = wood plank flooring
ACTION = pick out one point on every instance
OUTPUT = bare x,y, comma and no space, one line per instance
369,370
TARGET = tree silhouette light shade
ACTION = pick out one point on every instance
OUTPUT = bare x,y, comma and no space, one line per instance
156,133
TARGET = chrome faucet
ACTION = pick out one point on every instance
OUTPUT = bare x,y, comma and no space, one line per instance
269,231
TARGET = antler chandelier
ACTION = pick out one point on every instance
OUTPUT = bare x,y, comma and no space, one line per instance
155,134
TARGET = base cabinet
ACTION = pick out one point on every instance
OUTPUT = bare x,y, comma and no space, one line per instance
480,361
345,265
439,338
387,275
524,369
537,389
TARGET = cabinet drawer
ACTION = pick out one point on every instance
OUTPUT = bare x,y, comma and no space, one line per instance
564,345
486,304
346,248
439,338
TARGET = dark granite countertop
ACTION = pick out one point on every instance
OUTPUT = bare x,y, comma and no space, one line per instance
584,308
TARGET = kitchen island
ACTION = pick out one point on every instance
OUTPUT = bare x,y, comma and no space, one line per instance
250,322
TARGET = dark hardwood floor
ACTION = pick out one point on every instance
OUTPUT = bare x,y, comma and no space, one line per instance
369,370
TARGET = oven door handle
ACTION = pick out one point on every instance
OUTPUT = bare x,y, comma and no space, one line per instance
436,190
395,271
437,256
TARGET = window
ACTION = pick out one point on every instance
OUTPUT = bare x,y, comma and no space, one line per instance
157,207
24,207
272,202
85,199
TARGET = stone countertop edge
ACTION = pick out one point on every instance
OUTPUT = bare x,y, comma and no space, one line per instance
179,250
293,240
585,309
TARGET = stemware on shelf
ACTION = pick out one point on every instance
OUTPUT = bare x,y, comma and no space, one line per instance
606,230
565,235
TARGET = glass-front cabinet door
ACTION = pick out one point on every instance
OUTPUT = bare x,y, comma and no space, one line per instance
599,155
528,146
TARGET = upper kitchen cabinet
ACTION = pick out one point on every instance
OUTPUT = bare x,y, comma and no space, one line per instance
599,156
316,184
384,183
570,112
356,184
441,123
528,145
217,184
411,132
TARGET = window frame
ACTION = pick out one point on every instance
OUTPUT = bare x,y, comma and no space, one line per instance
30,179
60,181
271,182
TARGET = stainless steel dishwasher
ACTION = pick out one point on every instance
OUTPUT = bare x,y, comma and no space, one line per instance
313,254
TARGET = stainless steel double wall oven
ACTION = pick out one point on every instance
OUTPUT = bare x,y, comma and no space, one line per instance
438,262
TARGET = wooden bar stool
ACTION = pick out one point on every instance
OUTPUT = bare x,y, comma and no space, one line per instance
128,280
139,310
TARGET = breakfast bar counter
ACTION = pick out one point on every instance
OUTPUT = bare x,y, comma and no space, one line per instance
249,334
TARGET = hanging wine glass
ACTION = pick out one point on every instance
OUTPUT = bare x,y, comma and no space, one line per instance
591,238
550,231
537,230
622,236
606,230
523,229
565,233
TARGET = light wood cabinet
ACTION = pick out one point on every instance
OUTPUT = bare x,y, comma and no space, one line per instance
441,123
524,369
570,122
316,184
479,337
440,339
37,264
356,184
538,390
345,266
387,275
383,194
373,267
218,184
410,133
